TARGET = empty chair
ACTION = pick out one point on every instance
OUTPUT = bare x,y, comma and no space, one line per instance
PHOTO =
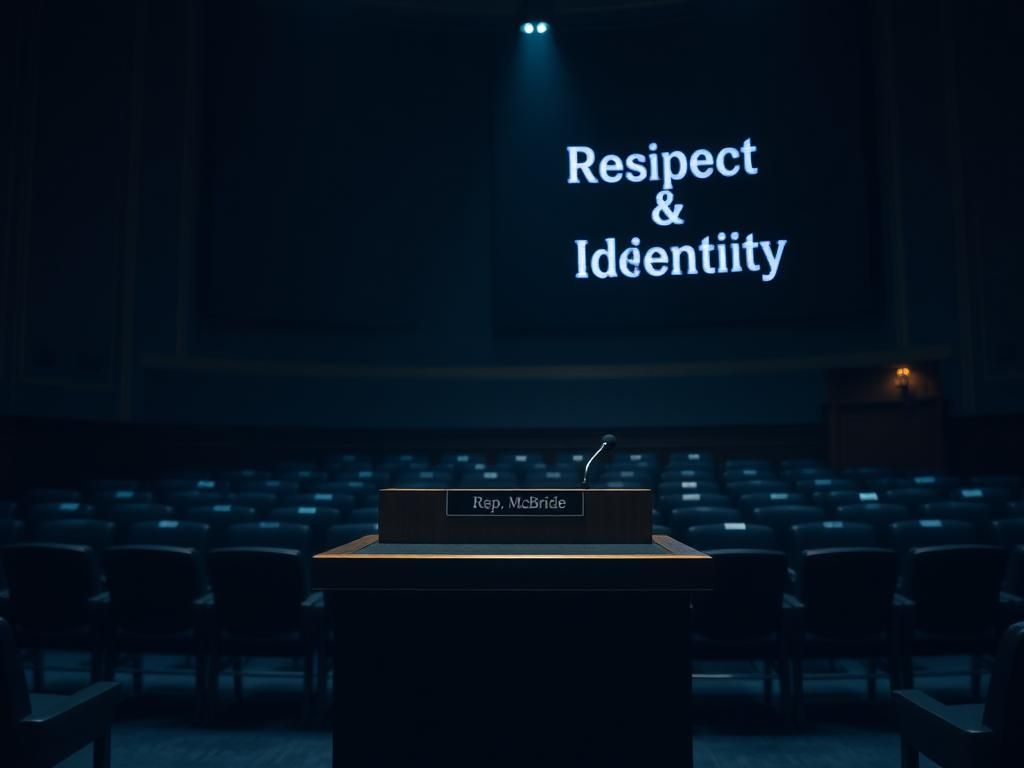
745,617
801,463
908,534
357,489
272,533
260,501
238,476
831,500
51,496
675,488
433,478
52,600
868,475
966,735
553,478
303,476
340,462
749,501
518,460
186,500
695,499
152,607
825,484
743,487
911,498
98,534
954,601
848,610
396,466
318,519
61,510
634,458
670,474
371,478
783,517
881,516
170,533
1008,533
219,517
124,515
491,478
995,496
730,536
932,482
974,512
108,498
829,534
641,477
690,458
202,484
681,519
573,458
733,464
459,461
43,731
340,501
343,533
263,606
278,487
748,474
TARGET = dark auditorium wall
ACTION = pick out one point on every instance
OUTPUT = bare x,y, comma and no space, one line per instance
101,167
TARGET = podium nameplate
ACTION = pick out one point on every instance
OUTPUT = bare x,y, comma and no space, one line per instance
460,503
515,516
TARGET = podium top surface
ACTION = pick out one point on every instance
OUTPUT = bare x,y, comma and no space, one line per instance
366,563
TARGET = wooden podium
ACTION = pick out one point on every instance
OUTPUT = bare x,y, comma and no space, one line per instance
467,634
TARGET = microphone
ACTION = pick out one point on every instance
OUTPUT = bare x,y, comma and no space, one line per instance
607,443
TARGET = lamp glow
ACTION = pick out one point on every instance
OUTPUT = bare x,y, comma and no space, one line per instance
542,27
527,28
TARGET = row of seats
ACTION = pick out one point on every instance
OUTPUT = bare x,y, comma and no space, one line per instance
239,602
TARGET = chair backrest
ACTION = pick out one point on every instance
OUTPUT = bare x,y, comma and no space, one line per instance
1004,706
124,515
827,534
274,534
14,701
681,519
911,497
974,512
61,510
152,588
50,585
170,533
783,517
741,487
748,502
219,517
847,592
108,498
490,478
317,518
1009,532
746,604
832,500
98,534
363,515
907,534
332,500
878,514
693,499
343,533
955,588
258,591
257,500
811,484
730,536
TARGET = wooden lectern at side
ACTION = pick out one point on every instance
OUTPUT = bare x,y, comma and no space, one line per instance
488,626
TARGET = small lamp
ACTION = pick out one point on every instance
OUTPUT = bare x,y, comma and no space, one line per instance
903,379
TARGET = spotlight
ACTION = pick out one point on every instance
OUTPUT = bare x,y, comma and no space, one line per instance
542,27
527,28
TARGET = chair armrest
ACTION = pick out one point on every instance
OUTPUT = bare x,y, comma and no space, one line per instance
948,735
314,600
77,721
1011,600
791,603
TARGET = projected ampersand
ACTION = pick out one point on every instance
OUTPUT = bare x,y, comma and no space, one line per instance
728,254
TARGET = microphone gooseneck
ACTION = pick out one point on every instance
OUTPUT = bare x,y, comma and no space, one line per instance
607,443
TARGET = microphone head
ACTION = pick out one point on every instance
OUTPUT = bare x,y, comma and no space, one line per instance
609,440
